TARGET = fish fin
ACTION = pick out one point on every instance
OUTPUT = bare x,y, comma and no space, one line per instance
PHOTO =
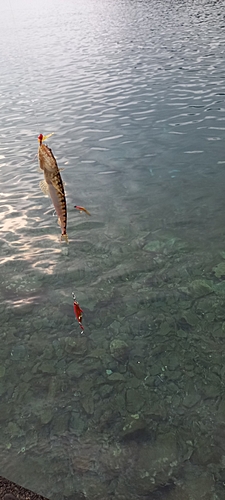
44,187
47,136
64,237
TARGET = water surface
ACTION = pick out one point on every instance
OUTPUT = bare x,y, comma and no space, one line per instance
134,92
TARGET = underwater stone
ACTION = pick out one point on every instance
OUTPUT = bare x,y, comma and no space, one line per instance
212,389
88,404
191,400
46,415
61,366
77,424
165,328
92,364
76,346
97,353
116,377
138,369
6,412
134,400
219,270
174,375
54,387
38,324
13,429
105,391
209,317
20,391
219,288
195,484
205,452
95,489
190,318
182,334
27,376
48,352
119,350
58,347
115,326
75,370
173,362
154,246
200,288
47,367
60,422
221,410
18,352
2,371
155,369
133,424
156,463
3,388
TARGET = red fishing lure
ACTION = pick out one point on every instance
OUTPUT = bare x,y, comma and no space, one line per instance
78,312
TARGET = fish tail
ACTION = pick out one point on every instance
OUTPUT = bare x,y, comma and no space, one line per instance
64,237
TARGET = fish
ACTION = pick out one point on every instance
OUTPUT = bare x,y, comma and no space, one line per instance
52,185
78,312
82,209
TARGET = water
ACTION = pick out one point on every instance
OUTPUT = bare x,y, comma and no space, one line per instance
134,407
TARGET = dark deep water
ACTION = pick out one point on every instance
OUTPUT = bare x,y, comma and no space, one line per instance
135,407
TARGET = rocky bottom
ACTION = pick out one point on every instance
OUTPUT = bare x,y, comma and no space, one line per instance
134,408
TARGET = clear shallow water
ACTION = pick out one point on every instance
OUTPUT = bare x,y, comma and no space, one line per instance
134,92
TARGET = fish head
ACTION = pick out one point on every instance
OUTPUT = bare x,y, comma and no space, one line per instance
40,138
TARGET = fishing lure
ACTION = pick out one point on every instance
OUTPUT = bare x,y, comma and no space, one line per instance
77,311
82,209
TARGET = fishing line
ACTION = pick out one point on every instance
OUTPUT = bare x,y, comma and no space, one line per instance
25,66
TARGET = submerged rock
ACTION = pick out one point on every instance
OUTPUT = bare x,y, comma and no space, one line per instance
48,367
76,346
200,288
155,465
132,425
195,484
46,415
219,270
77,424
75,370
134,400
119,350
138,369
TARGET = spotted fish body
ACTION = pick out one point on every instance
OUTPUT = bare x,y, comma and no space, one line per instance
53,185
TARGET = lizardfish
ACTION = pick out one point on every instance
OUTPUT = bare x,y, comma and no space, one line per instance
53,184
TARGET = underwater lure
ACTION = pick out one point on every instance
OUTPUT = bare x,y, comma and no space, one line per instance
82,209
77,311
